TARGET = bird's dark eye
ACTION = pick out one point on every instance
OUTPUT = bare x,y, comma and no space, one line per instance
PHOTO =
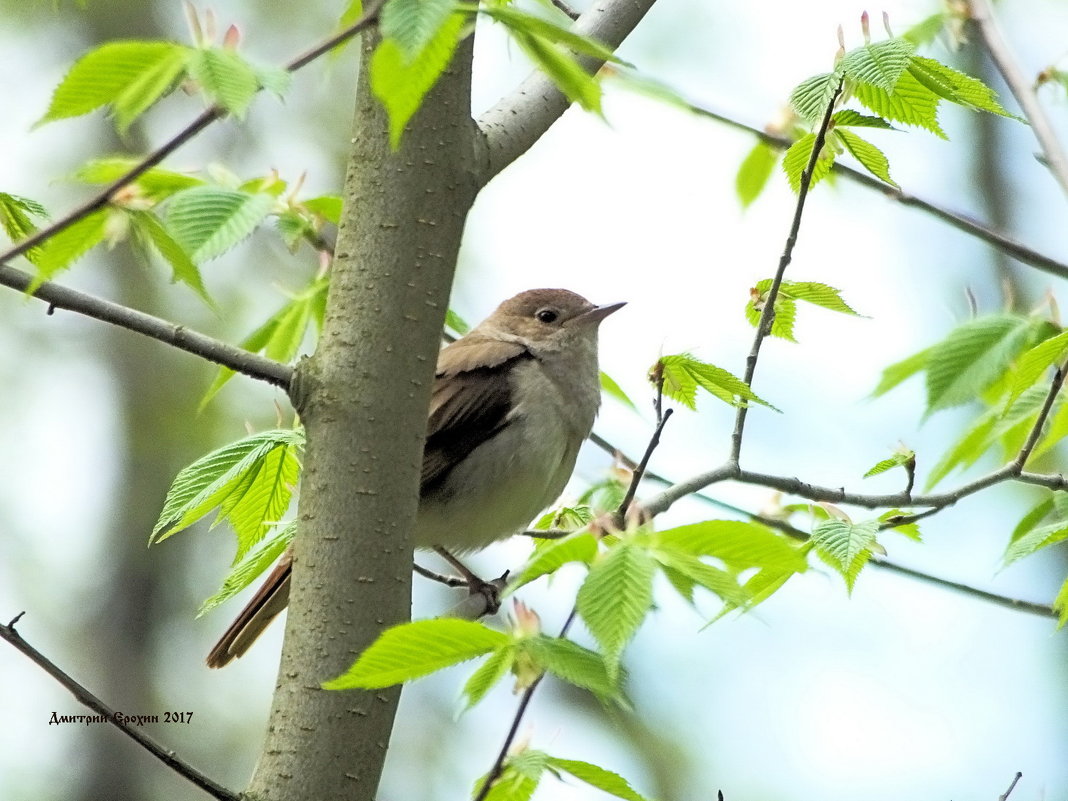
546,315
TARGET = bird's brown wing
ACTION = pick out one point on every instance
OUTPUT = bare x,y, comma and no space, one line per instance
469,403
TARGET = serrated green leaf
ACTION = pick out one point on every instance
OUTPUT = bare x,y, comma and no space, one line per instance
15,219
614,390
911,103
966,451
847,545
259,498
972,357
416,649
869,156
956,87
413,23
401,83
522,23
596,776
615,598
717,581
520,777
202,485
225,77
564,71
782,326
683,375
153,232
488,674
812,292
1060,605
797,157
326,206
155,81
1035,540
878,63
207,221
581,547
104,74
572,663
754,172
849,117
899,371
568,518
737,543
1032,518
910,530
156,183
1033,363
812,96
899,459
63,249
1055,430
251,568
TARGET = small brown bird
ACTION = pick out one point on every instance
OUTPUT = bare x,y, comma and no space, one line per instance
512,402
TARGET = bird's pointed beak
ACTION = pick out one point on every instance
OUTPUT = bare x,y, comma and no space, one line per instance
598,313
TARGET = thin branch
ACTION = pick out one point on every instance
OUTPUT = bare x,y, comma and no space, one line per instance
206,118
518,120
1005,795
87,699
1021,87
639,471
1040,421
568,10
961,222
448,581
767,314
237,359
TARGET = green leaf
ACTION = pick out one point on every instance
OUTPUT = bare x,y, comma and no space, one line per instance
401,83
207,221
152,230
488,674
155,183
911,103
697,573
973,357
615,598
1035,540
611,388
414,23
210,480
754,172
562,68
456,322
326,206
899,371
926,30
61,251
811,292
598,777
782,326
1032,518
1033,363
870,157
251,568
225,77
1060,605
683,374
125,73
878,63
519,778
581,547
900,459
572,663
412,650
910,530
956,87
15,219
848,545
797,157
521,23
812,96
849,117
738,544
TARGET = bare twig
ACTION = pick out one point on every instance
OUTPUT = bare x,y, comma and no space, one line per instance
1040,421
639,471
1005,795
767,314
568,10
106,713
206,118
448,581
961,222
1021,87
238,359
1043,610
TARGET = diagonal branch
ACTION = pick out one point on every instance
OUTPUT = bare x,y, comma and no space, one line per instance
1021,87
518,120
237,359
961,222
109,715
203,120
767,314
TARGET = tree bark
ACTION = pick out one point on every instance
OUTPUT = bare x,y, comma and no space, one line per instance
363,398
